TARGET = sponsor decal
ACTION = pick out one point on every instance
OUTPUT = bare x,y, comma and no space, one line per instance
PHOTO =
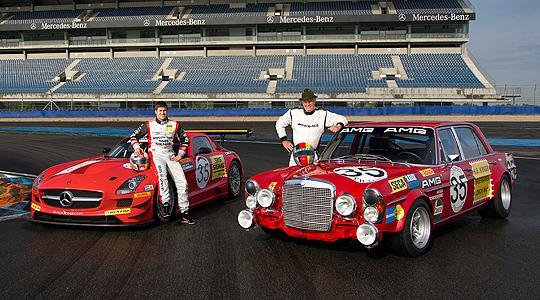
35,207
458,188
398,184
394,213
170,128
77,166
438,195
511,166
218,166
357,130
362,174
202,172
412,181
427,172
142,195
127,166
482,180
149,187
433,181
272,185
410,130
187,164
67,213
437,210
122,211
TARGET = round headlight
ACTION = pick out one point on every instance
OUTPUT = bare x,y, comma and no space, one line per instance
345,205
371,214
252,187
367,234
372,196
245,219
251,202
265,198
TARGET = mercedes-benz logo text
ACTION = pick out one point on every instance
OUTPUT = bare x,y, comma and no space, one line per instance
66,198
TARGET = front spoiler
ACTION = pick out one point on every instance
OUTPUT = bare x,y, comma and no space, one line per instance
76,224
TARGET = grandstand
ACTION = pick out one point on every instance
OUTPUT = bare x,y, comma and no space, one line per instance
393,51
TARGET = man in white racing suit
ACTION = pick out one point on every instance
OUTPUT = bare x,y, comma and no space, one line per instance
161,134
308,124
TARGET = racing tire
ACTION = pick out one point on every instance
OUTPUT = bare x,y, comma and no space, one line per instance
234,180
416,237
161,216
499,207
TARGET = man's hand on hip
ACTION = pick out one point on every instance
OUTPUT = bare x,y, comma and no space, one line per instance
287,145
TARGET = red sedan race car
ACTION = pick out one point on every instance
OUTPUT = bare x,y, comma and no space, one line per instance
107,191
392,181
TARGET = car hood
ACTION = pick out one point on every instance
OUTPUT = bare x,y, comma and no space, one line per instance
92,173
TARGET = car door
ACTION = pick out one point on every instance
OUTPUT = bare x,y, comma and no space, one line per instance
202,172
477,166
455,180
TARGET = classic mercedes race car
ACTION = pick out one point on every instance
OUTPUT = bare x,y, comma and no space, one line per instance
107,191
391,182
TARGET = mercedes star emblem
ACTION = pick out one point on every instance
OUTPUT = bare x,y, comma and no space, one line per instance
270,19
402,17
66,198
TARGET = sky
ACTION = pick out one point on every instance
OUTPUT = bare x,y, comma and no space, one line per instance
505,40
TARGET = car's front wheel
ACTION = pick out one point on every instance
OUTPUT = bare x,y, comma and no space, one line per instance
416,237
501,205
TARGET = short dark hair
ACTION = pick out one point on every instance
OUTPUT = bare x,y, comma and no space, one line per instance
160,104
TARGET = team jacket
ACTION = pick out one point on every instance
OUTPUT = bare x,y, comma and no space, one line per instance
307,127
161,136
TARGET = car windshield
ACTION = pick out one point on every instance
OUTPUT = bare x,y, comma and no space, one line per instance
398,144
124,150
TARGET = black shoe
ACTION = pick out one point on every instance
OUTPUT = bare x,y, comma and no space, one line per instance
166,209
186,219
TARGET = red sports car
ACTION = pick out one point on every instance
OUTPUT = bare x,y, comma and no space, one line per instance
106,191
391,181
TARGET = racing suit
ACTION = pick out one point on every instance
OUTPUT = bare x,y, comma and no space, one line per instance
161,136
307,127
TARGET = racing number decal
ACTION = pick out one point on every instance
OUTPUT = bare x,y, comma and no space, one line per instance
362,174
202,171
458,188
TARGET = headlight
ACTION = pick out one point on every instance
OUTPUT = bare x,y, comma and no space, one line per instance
246,219
345,205
371,214
252,187
251,202
367,234
265,197
130,185
38,180
373,205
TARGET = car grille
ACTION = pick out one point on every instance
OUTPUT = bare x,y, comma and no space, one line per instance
79,200
308,204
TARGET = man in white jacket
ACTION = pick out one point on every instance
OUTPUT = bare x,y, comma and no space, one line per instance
308,123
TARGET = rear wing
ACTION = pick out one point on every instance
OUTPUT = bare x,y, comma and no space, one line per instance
222,132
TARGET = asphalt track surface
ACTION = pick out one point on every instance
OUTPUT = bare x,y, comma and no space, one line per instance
470,258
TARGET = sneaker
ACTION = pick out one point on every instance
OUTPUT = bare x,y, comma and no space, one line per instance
186,219
166,209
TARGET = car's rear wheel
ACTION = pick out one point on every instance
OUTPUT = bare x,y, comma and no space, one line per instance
162,213
235,180
502,204
416,237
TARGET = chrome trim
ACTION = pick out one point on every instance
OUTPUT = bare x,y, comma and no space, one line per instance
74,199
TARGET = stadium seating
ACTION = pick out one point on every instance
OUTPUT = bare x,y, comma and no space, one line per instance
223,10
431,6
227,74
331,8
134,13
30,76
60,16
335,73
120,75
437,71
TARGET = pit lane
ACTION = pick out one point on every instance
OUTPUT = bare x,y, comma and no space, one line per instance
470,258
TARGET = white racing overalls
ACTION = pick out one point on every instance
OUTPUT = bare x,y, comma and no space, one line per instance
161,136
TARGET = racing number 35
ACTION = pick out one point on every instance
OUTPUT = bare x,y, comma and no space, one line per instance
202,171
458,188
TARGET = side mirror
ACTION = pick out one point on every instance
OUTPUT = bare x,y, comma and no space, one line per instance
453,157
204,150
106,150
